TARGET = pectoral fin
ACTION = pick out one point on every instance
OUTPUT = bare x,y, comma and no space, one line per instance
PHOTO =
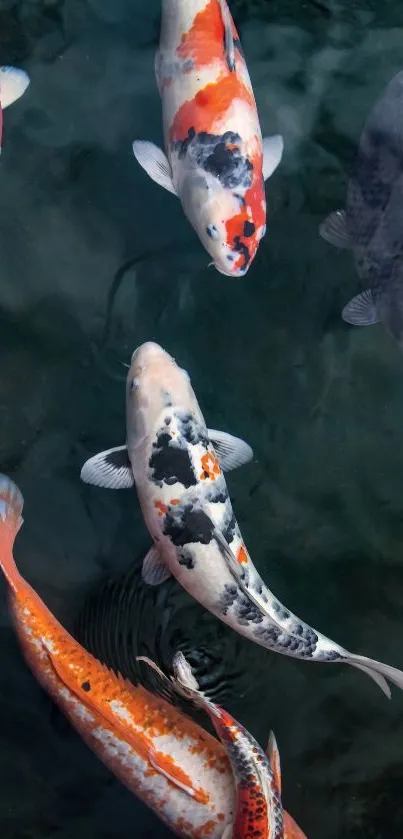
98,704
155,163
154,570
13,83
334,230
110,469
231,451
361,310
272,154
166,766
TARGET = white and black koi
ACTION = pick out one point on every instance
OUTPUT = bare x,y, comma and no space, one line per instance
177,466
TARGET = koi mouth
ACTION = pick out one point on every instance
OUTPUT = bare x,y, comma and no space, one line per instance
239,272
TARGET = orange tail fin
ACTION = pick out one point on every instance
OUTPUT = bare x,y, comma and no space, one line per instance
11,504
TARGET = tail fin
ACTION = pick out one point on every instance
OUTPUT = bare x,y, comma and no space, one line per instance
183,674
11,504
378,671
182,682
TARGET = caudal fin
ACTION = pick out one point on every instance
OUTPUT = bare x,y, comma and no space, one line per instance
182,683
379,672
11,504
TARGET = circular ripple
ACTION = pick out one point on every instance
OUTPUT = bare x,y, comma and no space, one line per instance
124,618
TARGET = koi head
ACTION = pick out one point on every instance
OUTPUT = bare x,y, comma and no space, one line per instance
154,383
227,223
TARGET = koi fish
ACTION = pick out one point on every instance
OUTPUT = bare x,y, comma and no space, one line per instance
216,161
168,761
177,466
258,808
13,83
370,224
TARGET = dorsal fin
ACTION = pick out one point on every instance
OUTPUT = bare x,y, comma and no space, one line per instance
229,44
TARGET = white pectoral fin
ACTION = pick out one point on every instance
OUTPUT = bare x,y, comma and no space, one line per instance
334,230
272,153
227,831
154,570
361,310
13,83
231,451
160,766
110,469
155,162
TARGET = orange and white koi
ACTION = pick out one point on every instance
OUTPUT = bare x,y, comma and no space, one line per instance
177,466
163,757
13,83
258,809
215,161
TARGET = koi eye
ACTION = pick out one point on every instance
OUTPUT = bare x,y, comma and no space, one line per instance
212,231
230,257
135,384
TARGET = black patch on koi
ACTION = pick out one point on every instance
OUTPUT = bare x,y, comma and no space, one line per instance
188,525
216,495
329,655
270,634
228,597
86,686
243,249
247,612
171,464
186,558
228,165
228,530
218,154
192,431
248,228
282,613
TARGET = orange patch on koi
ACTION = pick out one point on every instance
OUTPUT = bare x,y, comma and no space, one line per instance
211,467
203,43
160,507
174,501
208,106
242,556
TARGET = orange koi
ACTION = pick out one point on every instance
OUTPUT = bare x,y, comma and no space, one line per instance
168,761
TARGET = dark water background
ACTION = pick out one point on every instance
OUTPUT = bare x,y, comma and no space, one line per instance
95,259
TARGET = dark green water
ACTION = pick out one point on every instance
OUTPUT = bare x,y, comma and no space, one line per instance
95,259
